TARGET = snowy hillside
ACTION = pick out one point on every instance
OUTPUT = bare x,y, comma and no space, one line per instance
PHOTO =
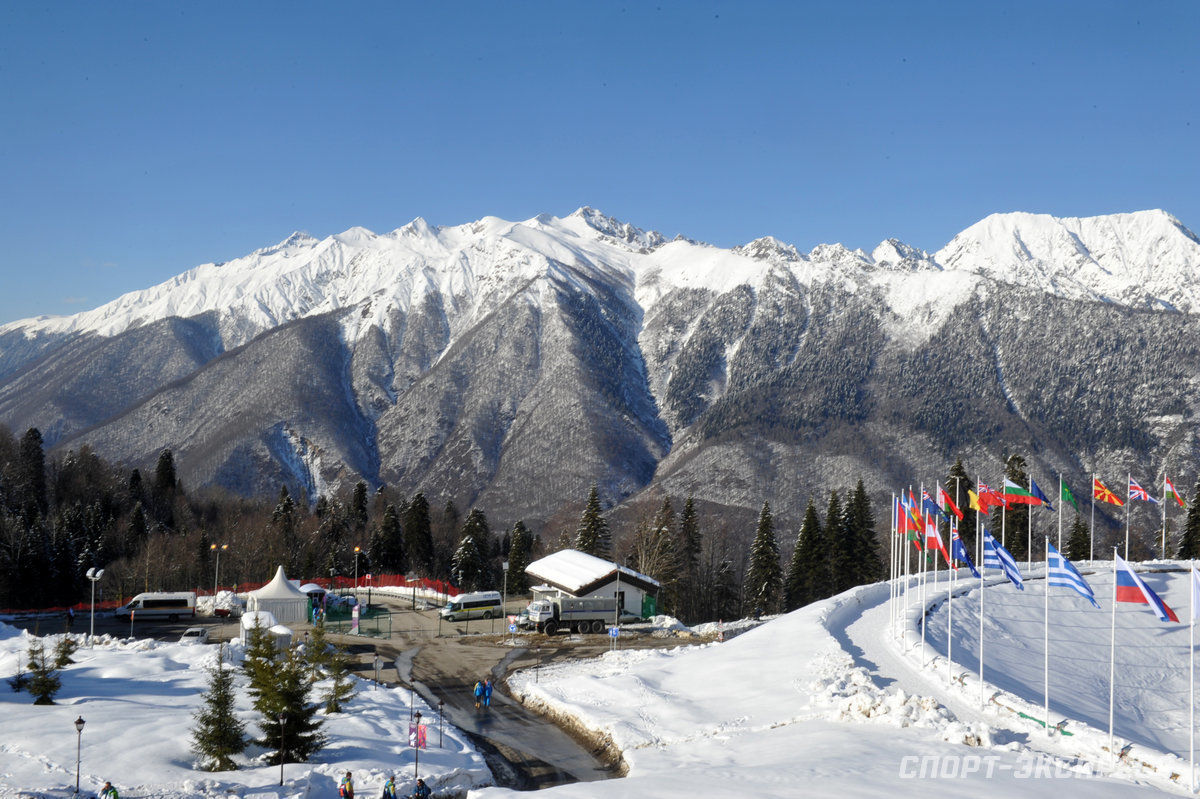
832,697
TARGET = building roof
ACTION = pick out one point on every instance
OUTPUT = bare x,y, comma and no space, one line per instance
279,588
577,573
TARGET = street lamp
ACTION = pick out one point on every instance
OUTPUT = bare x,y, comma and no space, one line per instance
356,551
217,569
79,722
537,667
504,603
282,721
94,575
440,705
416,736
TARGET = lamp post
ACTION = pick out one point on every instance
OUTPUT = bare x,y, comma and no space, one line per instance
537,667
94,575
331,581
79,722
217,568
504,602
356,551
440,705
416,736
282,721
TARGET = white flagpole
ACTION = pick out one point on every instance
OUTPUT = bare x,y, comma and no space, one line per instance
1003,517
892,571
1046,624
1164,516
1192,681
982,591
925,557
1060,504
950,613
1128,498
1112,655
1092,528
1029,543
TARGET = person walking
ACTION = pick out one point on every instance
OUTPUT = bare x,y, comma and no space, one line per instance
478,691
487,693
346,786
108,791
422,790
70,617
389,787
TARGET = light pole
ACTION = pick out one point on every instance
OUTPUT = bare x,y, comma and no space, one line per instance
537,667
217,569
282,721
417,745
504,602
79,722
94,575
356,551
440,704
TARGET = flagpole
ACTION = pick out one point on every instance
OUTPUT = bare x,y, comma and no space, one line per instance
1092,528
950,614
1112,652
982,591
925,553
1191,681
892,572
1164,517
1029,543
1128,502
1046,626
1060,504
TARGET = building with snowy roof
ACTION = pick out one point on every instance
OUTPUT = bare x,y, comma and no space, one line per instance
572,573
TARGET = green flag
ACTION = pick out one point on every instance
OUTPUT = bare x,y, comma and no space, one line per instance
1067,496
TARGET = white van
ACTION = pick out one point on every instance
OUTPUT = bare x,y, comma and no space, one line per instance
480,605
171,605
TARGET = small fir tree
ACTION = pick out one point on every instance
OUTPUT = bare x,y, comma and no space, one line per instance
219,734
317,651
861,546
688,548
43,682
289,723
764,577
809,577
63,649
1079,545
341,689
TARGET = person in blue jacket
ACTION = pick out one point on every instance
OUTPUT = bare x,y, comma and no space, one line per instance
421,791
478,691
487,693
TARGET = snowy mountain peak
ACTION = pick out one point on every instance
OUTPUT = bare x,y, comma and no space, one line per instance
769,248
621,231
1141,259
895,254
838,255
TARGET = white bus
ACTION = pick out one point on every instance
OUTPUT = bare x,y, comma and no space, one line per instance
160,605
481,605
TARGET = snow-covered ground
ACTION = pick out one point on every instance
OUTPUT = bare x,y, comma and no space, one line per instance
826,701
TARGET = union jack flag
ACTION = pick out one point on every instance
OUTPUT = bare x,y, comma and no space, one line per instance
983,488
1137,492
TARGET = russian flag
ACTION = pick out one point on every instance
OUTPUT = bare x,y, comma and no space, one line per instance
1131,588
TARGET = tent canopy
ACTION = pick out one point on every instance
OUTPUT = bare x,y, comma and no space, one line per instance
284,600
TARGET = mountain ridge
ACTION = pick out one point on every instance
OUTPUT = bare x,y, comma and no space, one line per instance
512,364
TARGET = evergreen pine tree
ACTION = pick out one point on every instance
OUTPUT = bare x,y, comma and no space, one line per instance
862,544
654,555
840,575
688,550
359,512
219,734
1189,542
318,649
259,663
956,487
341,690
1079,543
63,649
592,535
43,683
467,565
794,595
809,574
518,558
418,536
764,577
387,545
286,700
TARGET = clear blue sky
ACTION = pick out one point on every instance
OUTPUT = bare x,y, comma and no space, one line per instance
140,139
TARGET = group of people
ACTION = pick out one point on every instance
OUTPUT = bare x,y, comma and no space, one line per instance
483,693
346,788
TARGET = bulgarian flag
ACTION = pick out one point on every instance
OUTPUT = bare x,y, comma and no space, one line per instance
1015,495
1101,492
1171,492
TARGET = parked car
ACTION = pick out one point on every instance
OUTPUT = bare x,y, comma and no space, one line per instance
194,635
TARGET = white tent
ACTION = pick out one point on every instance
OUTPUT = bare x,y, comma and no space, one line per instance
281,598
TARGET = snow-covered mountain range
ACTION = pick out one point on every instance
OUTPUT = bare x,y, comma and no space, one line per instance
512,364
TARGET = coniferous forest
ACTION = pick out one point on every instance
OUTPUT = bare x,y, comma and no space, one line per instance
65,513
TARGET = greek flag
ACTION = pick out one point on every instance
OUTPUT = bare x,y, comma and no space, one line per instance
995,556
1061,573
